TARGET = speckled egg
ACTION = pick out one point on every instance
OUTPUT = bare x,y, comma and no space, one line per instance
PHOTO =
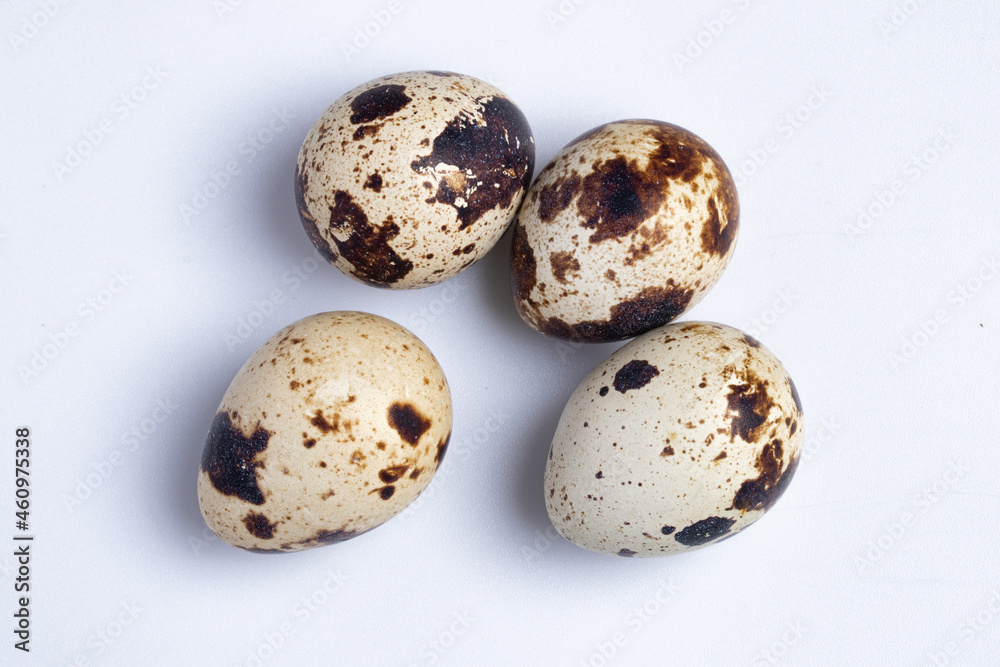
331,428
629,226
678,440
409,179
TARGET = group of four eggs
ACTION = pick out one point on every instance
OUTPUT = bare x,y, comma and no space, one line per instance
680,438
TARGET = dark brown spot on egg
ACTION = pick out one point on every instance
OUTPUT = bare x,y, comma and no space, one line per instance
651,308
704,531
379,102
230,458
495,158
795,395
408,422
563,263
309,443
763,491
667,451
603,391
750,405
365,131
374,182
259,526
523,270
751,341
557,196
386,492
715,238
320,421
599,474
294,385
721,455
635,375
365,247
619,195
666,530
327,537
442,449
391,474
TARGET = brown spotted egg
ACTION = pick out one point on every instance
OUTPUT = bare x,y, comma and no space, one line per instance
332,427
629,226
681,438
409,179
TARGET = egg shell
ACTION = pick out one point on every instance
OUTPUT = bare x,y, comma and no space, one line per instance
681,438
411,178
332,427
627,228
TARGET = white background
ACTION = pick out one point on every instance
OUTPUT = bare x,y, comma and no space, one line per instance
884,549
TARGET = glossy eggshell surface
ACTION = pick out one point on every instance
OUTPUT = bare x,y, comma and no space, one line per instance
409,179
679,439
628,227
332,427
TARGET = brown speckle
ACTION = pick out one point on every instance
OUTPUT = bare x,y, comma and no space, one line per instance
374,182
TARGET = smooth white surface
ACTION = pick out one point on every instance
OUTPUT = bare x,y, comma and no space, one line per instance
470,574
